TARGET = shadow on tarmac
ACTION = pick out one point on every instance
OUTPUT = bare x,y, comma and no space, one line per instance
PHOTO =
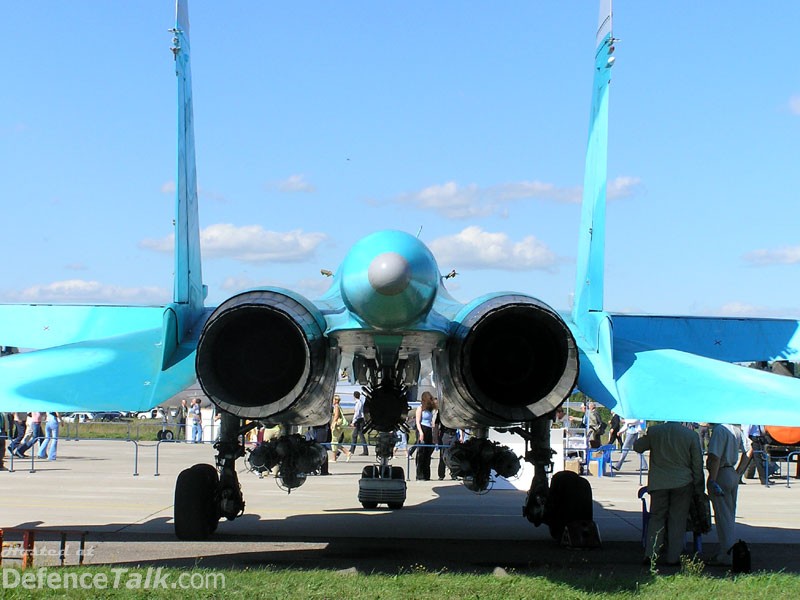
422,537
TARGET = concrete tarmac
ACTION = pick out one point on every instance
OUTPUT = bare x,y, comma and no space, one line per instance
92,487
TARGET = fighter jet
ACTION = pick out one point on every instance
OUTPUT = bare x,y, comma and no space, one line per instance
505,360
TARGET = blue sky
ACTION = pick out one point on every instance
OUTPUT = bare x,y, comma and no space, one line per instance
319,122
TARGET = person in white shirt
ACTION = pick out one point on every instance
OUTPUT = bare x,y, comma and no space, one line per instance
358,425
631,428
723,485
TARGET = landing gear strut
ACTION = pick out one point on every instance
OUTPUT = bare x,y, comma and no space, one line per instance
540,455
204,494
565,505
387,405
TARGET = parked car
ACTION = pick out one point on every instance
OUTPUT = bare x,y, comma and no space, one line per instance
109,415
77,417
155,413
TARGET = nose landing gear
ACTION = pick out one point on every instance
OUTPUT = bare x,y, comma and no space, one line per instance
383,483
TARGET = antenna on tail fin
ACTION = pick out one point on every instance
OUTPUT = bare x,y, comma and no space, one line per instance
189,288
591,244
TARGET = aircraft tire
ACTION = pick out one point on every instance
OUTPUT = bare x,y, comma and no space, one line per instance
369,472
196,512
395,505
213,478
369,505
570,499
159,435
397,473
168,435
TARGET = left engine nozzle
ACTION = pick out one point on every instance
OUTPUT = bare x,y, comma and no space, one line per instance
262,352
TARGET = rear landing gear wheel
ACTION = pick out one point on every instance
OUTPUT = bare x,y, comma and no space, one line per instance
570,499
196,504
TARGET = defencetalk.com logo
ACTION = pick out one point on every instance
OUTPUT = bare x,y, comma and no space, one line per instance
115,578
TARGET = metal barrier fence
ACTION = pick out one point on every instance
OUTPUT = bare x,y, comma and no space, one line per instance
796,455
137,443
769,459
408,449
208,431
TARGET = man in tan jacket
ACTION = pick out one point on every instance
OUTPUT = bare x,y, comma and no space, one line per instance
675,475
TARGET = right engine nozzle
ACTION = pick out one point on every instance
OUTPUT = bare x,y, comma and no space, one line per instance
511,359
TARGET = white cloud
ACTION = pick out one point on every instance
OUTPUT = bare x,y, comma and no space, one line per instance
448,199
794,105
82,291
168,187
742,309
624,186
534,189
479,249
249,243
462,202
790,255
739,309
239,283
294,184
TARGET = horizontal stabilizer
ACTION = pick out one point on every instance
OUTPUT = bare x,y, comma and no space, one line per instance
728,339
680,368
672,385
93,358
122,373
38,326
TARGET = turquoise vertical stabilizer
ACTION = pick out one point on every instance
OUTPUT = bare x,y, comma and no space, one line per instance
592,328
189,291
591,244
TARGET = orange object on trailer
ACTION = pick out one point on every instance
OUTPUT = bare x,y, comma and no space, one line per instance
784,435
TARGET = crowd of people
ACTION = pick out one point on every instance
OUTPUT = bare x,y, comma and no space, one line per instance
676,478
423,426
21,431
24,432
